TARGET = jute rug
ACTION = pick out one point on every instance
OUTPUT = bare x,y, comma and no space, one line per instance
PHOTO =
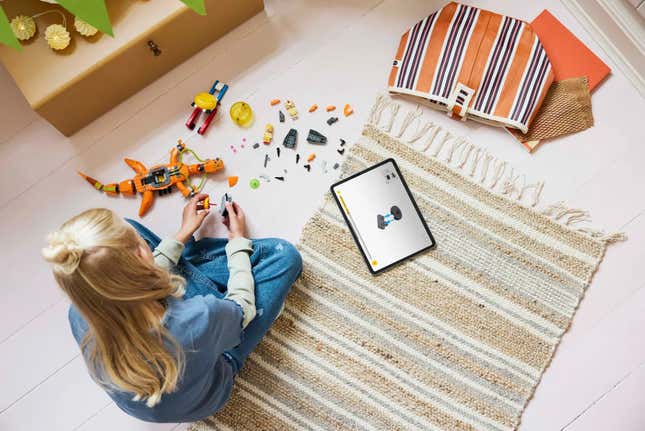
455,339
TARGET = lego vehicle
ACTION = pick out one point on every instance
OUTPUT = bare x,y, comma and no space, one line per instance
161,178
208,104
382,221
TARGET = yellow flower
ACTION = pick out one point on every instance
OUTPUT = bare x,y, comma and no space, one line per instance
84,28
24,27
57,36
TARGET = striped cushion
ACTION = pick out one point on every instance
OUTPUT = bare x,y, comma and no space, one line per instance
474,63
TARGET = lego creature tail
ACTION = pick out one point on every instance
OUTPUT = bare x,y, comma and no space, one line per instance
95,183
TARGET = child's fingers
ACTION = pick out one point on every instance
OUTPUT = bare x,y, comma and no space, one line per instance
238,210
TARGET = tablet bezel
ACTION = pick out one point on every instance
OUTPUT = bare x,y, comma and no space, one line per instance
351,229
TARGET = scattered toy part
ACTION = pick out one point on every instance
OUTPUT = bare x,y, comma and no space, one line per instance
324,166
275,102
347,110
277,150
279,178
341,151
336,165
208,104
268,134
311,157
256,146
342,142
332,120
330,108
313,107
266,160
241,114
291,109
204,204
291,139
316,138
281,116
308,167
254,183
297,158
265,178
232,181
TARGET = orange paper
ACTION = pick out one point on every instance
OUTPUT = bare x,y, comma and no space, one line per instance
570,58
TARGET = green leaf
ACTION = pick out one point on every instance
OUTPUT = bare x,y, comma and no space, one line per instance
196,5
93,12
6,34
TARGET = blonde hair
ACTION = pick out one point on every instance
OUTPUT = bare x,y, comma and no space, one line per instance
121,296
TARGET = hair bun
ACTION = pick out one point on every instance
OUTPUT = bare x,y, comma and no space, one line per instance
63,251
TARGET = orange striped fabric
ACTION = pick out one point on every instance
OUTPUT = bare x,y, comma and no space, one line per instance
475,64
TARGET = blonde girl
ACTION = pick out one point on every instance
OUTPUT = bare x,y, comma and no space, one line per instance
165,325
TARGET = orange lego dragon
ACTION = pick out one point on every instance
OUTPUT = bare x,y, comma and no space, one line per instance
161,178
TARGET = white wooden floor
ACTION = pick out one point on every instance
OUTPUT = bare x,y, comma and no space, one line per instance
324,52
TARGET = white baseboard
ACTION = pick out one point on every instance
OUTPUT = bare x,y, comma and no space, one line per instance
618,31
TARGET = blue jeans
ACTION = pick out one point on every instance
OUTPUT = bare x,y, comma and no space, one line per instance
276,265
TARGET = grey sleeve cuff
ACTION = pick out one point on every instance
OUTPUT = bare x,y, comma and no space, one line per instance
238,244
241,286
168,252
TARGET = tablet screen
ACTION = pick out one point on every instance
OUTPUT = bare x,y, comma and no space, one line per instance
382,215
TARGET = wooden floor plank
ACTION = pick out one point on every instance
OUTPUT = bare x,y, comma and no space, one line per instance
308,51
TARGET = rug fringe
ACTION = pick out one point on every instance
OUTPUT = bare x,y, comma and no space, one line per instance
459,154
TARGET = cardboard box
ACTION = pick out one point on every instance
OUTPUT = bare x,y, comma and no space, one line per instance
72,88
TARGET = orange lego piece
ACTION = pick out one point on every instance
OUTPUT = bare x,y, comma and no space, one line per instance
313,107
275,102
232,181
330,108
347,110
311,157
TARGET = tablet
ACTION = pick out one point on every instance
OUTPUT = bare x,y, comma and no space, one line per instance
382,215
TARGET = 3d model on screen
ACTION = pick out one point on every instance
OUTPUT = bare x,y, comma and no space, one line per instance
161,178
382,221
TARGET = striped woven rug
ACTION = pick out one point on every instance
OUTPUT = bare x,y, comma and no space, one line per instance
455,339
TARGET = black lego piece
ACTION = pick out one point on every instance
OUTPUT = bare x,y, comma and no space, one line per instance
279,178
332,120
222,209
316,138
277,150
256,146
308,167
297,158
266,160
341,151
291,139
336,165
281,115
342,142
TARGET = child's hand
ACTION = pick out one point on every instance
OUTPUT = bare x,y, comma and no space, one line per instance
235,221
191,218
